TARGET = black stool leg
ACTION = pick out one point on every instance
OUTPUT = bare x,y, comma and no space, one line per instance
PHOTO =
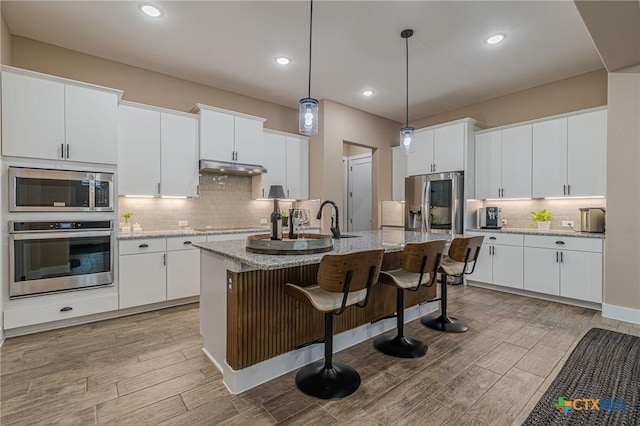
400,346
443,322
327,379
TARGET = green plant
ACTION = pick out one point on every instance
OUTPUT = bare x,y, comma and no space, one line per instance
126,216
540,216
284,213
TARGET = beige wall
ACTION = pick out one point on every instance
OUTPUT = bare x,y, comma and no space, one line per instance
571,94
5,42
622,269
339,124
141,85
348,150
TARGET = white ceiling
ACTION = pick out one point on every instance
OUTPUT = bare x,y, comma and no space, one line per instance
356,45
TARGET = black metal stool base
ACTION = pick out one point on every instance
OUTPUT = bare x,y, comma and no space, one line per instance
444,323
336,382
400,346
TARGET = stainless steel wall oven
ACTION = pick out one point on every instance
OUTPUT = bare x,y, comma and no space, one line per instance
46,257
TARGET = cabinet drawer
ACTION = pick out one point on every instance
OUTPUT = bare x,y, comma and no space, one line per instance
150,245
184,243
58,311
498,238
564,243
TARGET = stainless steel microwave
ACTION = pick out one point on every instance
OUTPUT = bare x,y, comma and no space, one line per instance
44,190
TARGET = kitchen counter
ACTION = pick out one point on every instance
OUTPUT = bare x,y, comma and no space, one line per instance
391,240
188,232
550,232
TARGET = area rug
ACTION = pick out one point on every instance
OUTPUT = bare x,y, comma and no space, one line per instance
598,385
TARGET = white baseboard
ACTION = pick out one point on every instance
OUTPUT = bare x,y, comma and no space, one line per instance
621,313
238,381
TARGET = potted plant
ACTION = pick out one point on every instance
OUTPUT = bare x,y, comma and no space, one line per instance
126,225
542,218
285,218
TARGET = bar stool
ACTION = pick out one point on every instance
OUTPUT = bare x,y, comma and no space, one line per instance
343,280
462,252
418,267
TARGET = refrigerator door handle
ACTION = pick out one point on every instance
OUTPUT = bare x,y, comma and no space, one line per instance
426,206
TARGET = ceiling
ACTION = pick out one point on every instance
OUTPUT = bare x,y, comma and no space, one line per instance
356,45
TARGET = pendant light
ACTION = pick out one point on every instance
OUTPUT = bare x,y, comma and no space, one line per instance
406,133
308,114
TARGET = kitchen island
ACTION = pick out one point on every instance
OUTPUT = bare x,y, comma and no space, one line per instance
253,332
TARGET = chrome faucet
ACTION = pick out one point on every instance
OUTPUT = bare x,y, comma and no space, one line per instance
335,230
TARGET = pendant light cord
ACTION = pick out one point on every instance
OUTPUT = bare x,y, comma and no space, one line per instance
310,37
407,103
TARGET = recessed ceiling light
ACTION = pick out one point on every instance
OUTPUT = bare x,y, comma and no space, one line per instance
283,61
368,92
495,39
150,10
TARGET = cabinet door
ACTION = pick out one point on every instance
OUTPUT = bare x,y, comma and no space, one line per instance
541,270
275,158
248,140
143,279
516,162
297,168
508,266
484,266
448,148
488,164
581,276
420,160
32,117
91,120
178,155
398,173
549,158
183,274
216,136
138,151
587,157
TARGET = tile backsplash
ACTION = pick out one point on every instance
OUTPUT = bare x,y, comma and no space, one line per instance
517,212
224,202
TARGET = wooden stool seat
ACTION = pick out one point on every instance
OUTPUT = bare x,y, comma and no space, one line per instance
343,280
418,266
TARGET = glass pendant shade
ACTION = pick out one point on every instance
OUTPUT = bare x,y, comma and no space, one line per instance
406,139
308,116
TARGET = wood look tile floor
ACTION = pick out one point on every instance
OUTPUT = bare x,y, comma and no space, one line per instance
148,369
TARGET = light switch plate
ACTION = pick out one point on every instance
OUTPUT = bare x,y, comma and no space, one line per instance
183,223
567,224
263,221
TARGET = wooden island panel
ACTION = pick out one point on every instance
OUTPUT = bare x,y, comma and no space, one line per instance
263,322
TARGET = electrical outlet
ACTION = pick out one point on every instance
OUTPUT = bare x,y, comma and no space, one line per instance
263,221
567,224
183,223
504,221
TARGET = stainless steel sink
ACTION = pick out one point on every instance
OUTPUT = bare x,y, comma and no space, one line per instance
349,236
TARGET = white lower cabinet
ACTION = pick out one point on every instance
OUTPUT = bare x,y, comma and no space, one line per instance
500,260
542,271
183,267
143,279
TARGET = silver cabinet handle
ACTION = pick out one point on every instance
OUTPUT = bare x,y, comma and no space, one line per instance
158,188
186,243
560,242
66,309
564,189
556,257
164,259
492,238
262,192
67,151
143,246
61,150
561,259
287,193
568,189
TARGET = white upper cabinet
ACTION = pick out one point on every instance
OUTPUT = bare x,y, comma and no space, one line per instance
158,151
489,164
286,158
587,154
420,161
56,119
230,137
550,158
516,162
398,173
448,148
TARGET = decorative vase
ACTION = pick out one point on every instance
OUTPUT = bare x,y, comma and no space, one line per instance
543,226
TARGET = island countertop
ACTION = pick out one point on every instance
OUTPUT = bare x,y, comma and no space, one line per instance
391,240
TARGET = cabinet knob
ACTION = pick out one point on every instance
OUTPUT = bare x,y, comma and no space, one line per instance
66,309
143,245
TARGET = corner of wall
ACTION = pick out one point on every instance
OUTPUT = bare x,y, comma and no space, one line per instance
5,42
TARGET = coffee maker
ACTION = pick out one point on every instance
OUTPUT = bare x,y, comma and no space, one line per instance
489,218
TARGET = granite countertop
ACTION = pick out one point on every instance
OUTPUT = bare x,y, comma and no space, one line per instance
188,233
391,240
550,232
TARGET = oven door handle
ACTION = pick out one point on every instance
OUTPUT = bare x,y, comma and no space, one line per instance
52,235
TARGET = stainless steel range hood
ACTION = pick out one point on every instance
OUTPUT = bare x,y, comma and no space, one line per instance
221,167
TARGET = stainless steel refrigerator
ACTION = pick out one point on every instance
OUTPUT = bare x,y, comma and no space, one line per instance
434,203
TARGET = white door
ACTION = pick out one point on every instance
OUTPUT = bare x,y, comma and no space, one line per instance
581,276
179,155
143,279
488,164
216,136
183,273
587,157
359,194
398,173
550,158
483,271
542,270
508,266
448,148
297,168
419,161
91,125
248,140
32,117
516,162
274,161
138,151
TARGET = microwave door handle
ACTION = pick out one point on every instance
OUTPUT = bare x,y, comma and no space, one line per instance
92,192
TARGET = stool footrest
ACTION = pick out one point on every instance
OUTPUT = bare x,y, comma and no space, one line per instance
335,382
400,346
